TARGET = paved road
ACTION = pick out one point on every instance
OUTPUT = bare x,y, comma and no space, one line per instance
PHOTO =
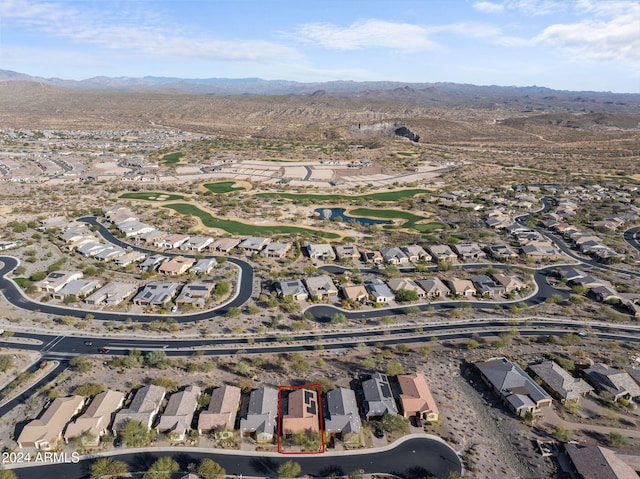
413,458
631,237
54,347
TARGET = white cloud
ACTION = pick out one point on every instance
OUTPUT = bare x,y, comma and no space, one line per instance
537,7
134,30
488,7
370,33
613,33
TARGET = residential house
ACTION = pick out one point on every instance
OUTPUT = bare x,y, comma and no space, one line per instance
354,292
143,408
77,287
276,250
370,256
343,416
560,384
394,256
53,222
203,266
569,273
408,284
56,280
46,431
222,411
442,252
176,266
469,251
196,243
224,245
321,251
195,293
112,293
178,415
171,241
130,258
156,294
380,292
95,421
152,262
294,288
134,228
416,399
303,410
117,210
487,287
434,287
254,244
378,398
91,248
519,392
109,253
348,251
321,287
502,252
155,236
508,282
416,253
461,287
262,414
616,381
605,293
539,250
597,462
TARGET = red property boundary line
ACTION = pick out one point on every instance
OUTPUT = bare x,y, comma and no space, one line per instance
318,395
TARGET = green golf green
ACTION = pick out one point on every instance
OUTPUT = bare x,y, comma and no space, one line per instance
411,220
223,187
151,196
172,158
243,229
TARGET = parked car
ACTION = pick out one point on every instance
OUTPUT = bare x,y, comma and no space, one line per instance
117,442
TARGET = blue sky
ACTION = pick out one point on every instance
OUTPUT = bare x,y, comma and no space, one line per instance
563,44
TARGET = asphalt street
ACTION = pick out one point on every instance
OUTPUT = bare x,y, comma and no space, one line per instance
414,458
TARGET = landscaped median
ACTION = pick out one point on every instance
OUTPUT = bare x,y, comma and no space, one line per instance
245,229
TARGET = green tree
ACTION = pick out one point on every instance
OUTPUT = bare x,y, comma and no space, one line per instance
89,389
222,289
472,344
108,468
616,439
170,384
135,434
80,364
289,470
7,474
338,318
394,368
163,468
395,423
6,363
404,295
209,469
157,359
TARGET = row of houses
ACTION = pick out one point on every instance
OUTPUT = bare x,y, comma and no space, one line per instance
105,413
524,393
63,284
379,291
600,289
584,241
